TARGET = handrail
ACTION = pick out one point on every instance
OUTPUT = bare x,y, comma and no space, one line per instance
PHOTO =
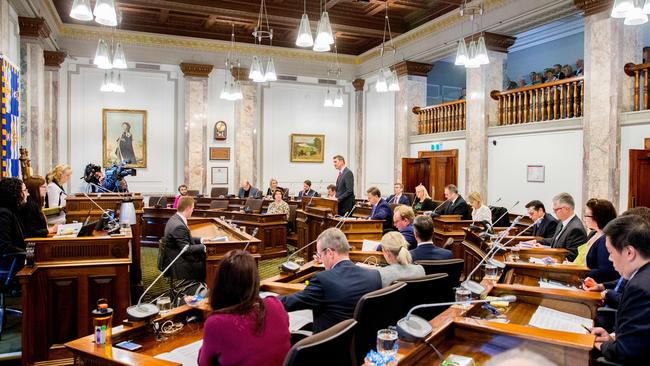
542,102
445,117
636,70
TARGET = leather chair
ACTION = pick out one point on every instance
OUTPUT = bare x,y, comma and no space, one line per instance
219,204
428,289
218,191
293,208
452,267
254,204
332,346
192,192
374,311
411,196
10,264
158,201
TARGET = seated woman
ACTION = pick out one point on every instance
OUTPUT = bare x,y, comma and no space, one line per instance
273,186
12,195
56,195
182,190
278,205
395,250
244,329
422,201
30,213
594,254
480,212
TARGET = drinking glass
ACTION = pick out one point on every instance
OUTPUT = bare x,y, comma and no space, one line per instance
387,342
463,295
514,253
164,304
242,229
490,271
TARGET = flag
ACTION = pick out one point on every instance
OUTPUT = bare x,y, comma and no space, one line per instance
9,118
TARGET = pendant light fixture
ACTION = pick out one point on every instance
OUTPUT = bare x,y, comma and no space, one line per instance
81,10
304,38
119,61
632,10
231,86
262,31
387,79
324,35
334,99
622,8
635,17
475,54
102,56
104,13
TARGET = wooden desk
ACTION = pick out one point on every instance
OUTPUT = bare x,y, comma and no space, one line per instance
529,274
325,204
61,284
449,226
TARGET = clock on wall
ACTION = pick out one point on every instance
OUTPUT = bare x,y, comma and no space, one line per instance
220,130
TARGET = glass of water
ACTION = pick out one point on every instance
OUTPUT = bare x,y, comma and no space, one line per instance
387,342
164,304
490,271
463,295
514,253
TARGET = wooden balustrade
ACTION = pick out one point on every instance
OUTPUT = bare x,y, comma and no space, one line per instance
443,117
543,102
639,71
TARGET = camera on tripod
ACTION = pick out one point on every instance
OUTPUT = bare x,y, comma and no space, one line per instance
115,175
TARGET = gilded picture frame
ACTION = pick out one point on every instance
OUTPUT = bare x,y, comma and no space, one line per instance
124,137
307,148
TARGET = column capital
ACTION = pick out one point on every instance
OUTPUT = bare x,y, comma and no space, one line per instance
198,70
412,68
493,42
33,27
358,84
54,58
239,73
591,7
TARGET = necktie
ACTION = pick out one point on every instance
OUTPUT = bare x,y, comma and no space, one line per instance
618,284
396,199
560,226
372,213
338,177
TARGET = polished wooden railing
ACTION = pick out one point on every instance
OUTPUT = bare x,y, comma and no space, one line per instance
639,71
443,117
543,102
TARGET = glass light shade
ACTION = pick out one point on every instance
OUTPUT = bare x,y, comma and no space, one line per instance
321,46
646,7
106,85
119,61
622,8
105,13
381,86
481,52
329,100
305,38
225,92
236,91
256,71
81,10
102,57
461,53
324,31
393,83
270,71
471,63
127,212
338,100
118,87
635,17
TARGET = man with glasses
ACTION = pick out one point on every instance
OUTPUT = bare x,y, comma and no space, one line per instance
570,232
333,294
546,227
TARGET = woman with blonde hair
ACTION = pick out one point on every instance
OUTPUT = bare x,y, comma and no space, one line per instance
395,250
422,201
480,212
56,195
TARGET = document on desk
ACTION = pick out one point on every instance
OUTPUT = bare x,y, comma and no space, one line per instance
555,285
547,318
300,318
185,355
369,245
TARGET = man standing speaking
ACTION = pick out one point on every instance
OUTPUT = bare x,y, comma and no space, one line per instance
344,185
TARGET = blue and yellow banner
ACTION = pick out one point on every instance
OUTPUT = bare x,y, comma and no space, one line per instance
9,115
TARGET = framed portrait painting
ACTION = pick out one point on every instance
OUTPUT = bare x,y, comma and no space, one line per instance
307,148
124,137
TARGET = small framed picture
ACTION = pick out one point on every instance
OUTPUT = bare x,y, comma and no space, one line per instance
219,153
535,173
219,175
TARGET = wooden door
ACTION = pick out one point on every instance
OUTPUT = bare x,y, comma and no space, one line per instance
434,169
639,183
416,171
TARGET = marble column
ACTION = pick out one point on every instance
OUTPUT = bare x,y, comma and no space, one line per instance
196,122
53,61
246,139
607,92
5,30
412,78
358,145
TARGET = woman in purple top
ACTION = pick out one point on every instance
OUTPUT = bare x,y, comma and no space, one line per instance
244,328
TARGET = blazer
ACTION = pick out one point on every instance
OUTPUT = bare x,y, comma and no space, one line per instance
573,236
333,294
632,327
191,265
345,191
408,234
11,235
253,193
614,293
284,191
382,211
458,207
395,272
32,220
427,204
427,250
403,199
546,227
310,193
601,269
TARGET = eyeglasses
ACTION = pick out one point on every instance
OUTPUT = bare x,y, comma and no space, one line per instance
556,209
318,255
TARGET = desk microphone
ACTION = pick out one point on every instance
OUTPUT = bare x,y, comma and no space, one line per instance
500,264
413,327
310,199
433,212
495,202
104,212
157,205
144,311
505,213
253,235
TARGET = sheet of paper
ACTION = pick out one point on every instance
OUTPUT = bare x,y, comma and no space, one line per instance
186,355
547,318
369,245
68,230
555,285
300,318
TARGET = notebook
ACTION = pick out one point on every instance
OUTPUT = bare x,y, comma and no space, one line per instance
186,355
547,318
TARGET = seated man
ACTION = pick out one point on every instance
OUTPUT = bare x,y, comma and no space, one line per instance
331,192
423,230
307,191
403,217
246,191
570,231
546,227
333,294
191,265
398,198
455,204
380,208
628,244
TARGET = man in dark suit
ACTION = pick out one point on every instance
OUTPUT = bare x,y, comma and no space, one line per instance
248,191
398,198
455,204
380,208
403,217
307,191
333,294
423,230
190,265
344,186
546,227
570,231
628,244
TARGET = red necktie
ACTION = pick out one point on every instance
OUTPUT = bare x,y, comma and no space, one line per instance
338,177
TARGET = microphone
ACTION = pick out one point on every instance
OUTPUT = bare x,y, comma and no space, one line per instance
157,205
310,199
497,201
505,213
253,235
436,209
413,327
104,212
144,311
500,264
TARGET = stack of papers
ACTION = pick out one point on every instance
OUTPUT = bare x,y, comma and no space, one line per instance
548,318
555,285
300,318
186,355
68,230
369,245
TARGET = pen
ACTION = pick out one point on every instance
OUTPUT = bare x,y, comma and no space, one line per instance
586,328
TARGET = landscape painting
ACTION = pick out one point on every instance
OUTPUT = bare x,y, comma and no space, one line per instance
307,148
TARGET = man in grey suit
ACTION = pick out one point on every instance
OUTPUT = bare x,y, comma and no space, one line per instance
344,186
190,265
248,191
570,231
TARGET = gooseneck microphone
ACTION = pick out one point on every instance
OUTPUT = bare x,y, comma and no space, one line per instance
500,264
414,328
104,212
433,212
505,213
253,235
157,205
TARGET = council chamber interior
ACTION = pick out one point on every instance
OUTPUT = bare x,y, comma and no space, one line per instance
340,182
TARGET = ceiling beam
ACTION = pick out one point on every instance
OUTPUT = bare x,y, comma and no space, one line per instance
164,15
331,3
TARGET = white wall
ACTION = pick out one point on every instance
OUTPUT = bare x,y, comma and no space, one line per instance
631,138
446,145
378,141
559,152
220,110
9,33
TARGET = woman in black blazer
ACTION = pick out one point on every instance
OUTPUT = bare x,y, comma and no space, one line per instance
12,195
598,213
422,201
31,212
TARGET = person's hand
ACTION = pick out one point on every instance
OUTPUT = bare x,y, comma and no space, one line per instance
601,337
603,294
590,285
53,229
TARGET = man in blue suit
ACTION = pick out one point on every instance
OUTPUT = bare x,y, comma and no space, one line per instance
423,229
398,198
333,294
344,185
307,191
248,191
545,228
380,208
403,217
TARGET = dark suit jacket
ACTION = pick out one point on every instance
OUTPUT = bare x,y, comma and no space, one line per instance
546,227
345,191
573,236
403,199
254,193
632,323
408,234
191,265
310,193
458,207
333,294
613,296
426,251
382,211
32,220
601,269
427,204
285,191
11,233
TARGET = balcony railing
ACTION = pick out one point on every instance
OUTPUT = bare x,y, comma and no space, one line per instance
543,102
443,117
639,71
